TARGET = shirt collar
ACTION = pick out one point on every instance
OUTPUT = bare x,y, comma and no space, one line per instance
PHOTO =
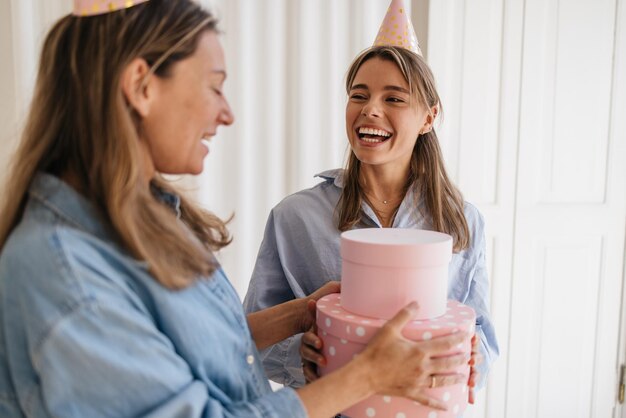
336,175
167,198
68,204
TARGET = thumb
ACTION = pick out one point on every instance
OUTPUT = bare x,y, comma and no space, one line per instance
403,316
311,306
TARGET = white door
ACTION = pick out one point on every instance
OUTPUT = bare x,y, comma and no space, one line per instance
535,134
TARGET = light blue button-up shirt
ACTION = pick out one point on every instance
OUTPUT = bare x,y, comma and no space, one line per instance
87,332
300,252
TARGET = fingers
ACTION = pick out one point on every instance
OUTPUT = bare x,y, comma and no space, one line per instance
444,343
471,382
475,360
327,289
312,340
441,380
310,349
429,401
449,363
310,371
402,317
312,356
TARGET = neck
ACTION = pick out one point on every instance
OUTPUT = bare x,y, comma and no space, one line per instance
384,182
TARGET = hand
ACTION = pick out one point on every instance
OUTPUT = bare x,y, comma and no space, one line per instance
475,360
400,367
311,353
307,319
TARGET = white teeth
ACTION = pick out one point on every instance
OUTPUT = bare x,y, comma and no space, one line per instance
371,140
372,131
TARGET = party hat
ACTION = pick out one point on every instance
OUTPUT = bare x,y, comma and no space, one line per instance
397,29
98,7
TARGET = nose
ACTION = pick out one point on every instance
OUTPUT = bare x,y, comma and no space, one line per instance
370,109
226,116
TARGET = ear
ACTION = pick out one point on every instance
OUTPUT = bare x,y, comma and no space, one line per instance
138,90
430,120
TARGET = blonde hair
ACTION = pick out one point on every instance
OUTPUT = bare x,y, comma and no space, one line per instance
80,124
443,201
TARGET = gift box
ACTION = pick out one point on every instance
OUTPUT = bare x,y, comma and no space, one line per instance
346,334
382,271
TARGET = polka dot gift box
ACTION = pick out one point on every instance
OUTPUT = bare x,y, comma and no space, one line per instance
383,269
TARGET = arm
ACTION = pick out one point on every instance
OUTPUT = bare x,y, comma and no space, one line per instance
478,299
272,325
110,361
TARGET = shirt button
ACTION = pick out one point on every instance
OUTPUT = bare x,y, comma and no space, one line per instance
250,359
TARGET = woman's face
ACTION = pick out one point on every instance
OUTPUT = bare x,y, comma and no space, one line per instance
383,121
188,107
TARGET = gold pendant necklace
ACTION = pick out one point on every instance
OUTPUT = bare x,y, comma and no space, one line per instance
371,198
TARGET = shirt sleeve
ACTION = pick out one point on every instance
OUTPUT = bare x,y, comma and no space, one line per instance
111,361
269,287
478,299
282,362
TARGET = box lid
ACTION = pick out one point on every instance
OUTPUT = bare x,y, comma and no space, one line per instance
333,319
396,247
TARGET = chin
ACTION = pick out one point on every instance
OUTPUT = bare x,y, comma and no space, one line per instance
196,170
365,159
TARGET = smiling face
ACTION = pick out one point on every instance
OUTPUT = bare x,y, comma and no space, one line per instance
186,109
383,120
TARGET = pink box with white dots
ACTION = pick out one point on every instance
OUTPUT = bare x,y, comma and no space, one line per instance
386,269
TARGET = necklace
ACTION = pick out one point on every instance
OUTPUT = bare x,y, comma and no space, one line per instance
371,198
386,213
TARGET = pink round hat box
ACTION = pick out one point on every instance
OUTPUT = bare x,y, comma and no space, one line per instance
384,269
346,334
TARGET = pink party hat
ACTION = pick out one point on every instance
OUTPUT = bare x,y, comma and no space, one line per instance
98,7
397,29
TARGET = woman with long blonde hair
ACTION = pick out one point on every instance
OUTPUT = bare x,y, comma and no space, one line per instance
112,303
395,177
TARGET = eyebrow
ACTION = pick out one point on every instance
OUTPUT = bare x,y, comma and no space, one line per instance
393,88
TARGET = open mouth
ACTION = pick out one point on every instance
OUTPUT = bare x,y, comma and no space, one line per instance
373,135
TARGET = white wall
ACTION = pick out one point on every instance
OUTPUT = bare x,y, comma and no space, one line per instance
535,135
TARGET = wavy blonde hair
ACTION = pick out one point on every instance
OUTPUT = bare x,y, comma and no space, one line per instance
80,124
443,201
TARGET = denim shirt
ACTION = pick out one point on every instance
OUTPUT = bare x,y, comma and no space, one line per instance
88,332
300,252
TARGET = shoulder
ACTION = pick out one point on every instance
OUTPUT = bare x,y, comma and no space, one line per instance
313,201
473,217
58,263
50,270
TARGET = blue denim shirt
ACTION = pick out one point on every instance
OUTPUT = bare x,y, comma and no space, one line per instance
88,332
300,252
